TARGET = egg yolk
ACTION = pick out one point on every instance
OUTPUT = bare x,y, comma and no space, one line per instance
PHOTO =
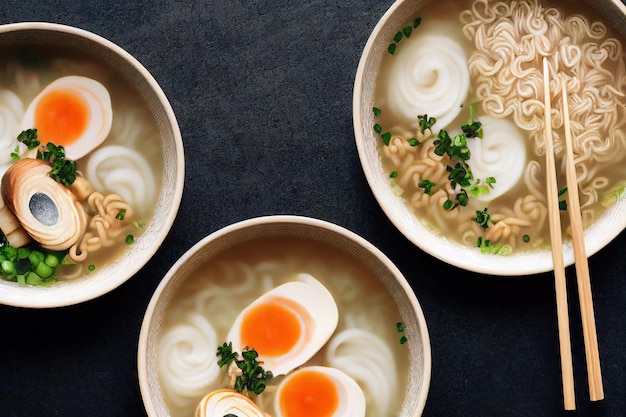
309,393
272,329
61,117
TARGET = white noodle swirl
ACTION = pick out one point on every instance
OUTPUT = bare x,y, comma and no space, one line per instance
367,359
428,75
118,170
187,365
501,154
11,113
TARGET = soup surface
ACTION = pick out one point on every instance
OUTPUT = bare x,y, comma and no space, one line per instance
365,344
460,116
105,128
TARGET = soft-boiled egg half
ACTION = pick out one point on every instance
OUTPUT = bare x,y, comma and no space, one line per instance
74,112
319,391
287,325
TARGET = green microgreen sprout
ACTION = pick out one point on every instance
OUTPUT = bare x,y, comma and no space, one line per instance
482,218
253,377
425,122
473,128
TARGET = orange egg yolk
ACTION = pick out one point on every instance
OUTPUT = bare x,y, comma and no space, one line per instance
271,328
309,393
61,117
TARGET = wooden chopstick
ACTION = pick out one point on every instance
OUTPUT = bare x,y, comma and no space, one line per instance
556,241
592,356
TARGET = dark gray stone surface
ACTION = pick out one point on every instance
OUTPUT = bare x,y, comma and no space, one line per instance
263,94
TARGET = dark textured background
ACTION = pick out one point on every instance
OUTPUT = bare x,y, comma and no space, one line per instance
263,93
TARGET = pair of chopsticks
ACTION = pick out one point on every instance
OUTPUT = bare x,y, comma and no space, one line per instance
596,391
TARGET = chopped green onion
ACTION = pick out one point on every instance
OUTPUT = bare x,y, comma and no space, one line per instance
130,239
377,112
378,128
393,174
403,340
526,238
91,268
400,326
407,31
417,22
398,36
392,48
121,214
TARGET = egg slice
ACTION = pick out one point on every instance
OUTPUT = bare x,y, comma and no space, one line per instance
73,112
319,391
287,325
227,402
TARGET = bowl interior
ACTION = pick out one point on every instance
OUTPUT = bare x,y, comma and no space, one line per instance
328,234
597,236
37,35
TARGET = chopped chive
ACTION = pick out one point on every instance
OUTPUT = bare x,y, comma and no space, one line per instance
392,49
393,174
400,326
378,128
91,268
526,238
413,141
130,239
403,340
563,205
479,242
562,191
377,112
398,36
407,31
417,22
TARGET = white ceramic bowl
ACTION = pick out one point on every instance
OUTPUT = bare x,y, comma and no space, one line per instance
596,236
107,277
328,234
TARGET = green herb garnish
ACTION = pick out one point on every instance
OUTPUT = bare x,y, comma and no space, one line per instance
427,185
482,218
253,377
91,267
425,122
121,214
526,238
130,239
393,174
473,128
